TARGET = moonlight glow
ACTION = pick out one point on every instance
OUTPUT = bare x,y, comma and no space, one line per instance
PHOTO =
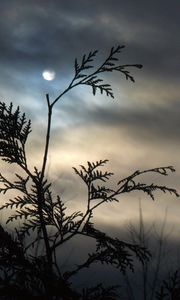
48,75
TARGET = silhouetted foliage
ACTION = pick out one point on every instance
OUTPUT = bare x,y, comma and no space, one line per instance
43,217
170,288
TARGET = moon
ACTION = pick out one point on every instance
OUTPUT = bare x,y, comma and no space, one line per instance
49,74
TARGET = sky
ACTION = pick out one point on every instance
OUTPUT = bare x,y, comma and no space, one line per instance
139,129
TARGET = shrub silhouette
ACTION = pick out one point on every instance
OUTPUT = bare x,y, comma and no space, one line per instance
44,220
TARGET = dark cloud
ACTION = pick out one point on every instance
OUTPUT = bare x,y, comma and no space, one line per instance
37,33
160,123
157,122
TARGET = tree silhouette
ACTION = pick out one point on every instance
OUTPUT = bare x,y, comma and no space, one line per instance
43,217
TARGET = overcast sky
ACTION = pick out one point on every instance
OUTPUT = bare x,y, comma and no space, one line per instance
137,130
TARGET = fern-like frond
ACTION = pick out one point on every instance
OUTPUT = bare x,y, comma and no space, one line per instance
65,223
128,184
21,183
23,213
14,130
101,192
112,251
85,64
30,224
91,173
17,185
109,65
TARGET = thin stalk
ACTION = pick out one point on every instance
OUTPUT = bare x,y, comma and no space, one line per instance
64,92
40,187
47,137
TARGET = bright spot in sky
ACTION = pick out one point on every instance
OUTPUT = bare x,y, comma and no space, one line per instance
48,74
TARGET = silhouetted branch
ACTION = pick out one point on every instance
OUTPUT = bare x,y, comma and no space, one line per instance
92,79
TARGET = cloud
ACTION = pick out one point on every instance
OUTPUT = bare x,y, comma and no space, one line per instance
36,33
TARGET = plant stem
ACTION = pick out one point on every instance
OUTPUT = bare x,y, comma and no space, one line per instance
47,137
40,187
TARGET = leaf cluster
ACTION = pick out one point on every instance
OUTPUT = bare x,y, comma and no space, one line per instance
63,226
110,64
14,130
111,251
104,193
